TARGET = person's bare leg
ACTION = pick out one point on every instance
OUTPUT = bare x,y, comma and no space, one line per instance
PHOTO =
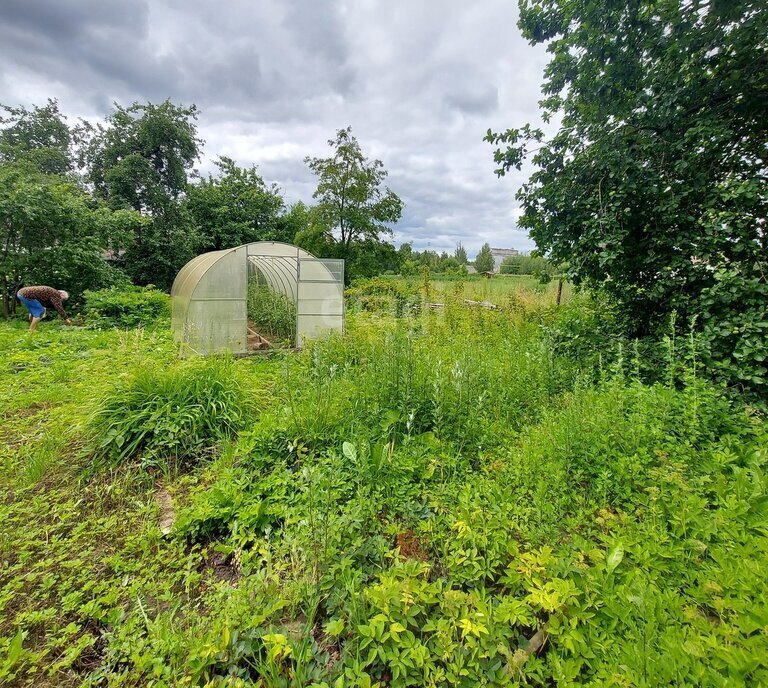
33,324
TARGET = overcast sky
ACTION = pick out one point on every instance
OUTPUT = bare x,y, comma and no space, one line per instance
419,81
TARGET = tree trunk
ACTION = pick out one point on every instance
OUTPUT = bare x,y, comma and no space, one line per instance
559,290
6,300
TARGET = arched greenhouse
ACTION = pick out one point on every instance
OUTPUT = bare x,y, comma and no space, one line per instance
256,296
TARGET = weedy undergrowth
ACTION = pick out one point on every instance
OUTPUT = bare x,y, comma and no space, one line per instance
171,414
458,498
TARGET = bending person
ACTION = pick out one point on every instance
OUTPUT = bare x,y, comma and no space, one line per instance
37,299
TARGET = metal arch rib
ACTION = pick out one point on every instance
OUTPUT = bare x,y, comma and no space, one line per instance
280,278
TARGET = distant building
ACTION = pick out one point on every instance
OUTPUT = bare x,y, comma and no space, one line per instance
499,254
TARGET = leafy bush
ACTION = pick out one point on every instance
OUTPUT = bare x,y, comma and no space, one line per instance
176,413
383,295
235,498
126,306
735,329
587,326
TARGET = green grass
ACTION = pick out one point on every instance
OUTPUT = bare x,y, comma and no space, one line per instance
169,416
504,291
406,505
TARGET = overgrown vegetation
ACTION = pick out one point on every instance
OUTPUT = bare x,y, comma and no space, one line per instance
459,496
126,306
272,314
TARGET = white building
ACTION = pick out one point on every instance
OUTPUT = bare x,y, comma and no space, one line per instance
499,254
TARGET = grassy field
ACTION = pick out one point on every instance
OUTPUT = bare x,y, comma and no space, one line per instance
453,497
500,289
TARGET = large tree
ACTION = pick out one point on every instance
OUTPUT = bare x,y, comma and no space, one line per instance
39,136
353,207
655,185
141,158
236,207
484,260
52,232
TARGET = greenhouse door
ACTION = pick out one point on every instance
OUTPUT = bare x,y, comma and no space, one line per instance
320,299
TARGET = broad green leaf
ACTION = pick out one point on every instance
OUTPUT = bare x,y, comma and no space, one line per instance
14,649
335,627
614,557
349,451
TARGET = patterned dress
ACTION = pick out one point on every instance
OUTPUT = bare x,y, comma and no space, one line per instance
47,296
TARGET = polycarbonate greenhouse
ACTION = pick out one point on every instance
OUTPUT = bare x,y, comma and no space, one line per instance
246,298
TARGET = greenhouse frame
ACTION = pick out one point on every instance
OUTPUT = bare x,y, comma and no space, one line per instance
210,296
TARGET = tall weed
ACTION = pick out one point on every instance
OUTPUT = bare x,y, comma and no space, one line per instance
170,414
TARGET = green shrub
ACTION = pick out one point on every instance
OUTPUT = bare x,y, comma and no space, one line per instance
734,319
585,327
384,295
176,413
235,500
126,306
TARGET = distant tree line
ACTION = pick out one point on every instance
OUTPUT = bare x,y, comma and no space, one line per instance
529,265
413,262
408,262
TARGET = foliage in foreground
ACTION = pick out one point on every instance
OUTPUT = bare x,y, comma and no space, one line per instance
654,186
413,504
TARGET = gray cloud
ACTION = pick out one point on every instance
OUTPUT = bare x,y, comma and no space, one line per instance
67,20
419,83
474,100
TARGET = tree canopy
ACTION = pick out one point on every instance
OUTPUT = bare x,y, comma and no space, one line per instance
236,207
141,158
484,260
654,185
39,136
353,206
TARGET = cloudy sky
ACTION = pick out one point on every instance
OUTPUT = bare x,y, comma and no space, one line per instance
419,81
